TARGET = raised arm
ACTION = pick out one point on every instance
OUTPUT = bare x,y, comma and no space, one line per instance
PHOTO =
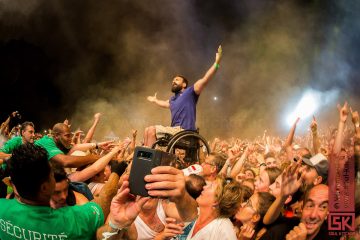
315,138
5,125
214,144
343,113
123,211
133,141
233,154
4,155
290,183
356,121
88,146
169,182
201,83
74,161
239,164
95,168
76,139
90,133
289,140
160,103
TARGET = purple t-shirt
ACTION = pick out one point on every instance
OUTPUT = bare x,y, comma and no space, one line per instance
183,109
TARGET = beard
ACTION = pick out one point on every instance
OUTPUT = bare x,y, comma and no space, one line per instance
176,88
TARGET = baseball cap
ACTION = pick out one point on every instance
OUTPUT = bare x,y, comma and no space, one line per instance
320,163
193,169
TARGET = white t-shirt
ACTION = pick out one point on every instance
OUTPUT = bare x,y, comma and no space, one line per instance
219,228
144,232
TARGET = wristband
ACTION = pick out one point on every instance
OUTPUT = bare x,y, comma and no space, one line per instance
115,227
216,66
262,164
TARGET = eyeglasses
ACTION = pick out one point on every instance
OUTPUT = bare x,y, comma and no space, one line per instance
248,203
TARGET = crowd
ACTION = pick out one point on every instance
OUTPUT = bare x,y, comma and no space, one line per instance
64,185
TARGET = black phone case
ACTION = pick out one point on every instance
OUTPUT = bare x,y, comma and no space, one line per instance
144,160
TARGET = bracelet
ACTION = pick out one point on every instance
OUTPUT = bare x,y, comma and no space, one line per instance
262,164
115,227
216,66
357,124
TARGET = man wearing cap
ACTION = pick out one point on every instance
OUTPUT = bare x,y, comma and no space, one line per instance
314,170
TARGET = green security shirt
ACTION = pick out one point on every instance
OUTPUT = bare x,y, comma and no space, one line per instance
22,221
49,145
10,145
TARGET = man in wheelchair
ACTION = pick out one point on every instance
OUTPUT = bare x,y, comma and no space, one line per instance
182,105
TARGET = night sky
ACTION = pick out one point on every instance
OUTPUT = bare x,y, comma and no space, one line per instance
69,59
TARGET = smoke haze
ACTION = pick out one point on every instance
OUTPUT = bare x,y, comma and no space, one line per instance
71,59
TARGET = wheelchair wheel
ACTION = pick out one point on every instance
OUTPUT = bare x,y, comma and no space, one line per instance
190,141
162,142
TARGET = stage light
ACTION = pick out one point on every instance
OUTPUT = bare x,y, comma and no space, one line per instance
306,107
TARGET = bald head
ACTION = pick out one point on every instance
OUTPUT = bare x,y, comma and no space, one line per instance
60,128
317,189
62,135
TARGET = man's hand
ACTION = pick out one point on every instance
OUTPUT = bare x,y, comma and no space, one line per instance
171,229
297,121
218,55
152,98
313,125
97,116
291,179
67,123
246,232
354,117
134,133
125,207
166,181
234,153
298,233
107,145
343,112
13,114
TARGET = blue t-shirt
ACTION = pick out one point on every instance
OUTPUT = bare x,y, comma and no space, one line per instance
183,109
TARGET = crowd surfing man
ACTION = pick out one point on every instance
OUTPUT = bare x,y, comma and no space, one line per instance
182,105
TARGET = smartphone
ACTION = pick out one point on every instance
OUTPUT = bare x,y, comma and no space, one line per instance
144,160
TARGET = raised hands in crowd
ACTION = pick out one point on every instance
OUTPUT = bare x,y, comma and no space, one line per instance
281,165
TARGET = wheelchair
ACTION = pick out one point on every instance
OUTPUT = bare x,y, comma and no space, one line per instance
190,141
